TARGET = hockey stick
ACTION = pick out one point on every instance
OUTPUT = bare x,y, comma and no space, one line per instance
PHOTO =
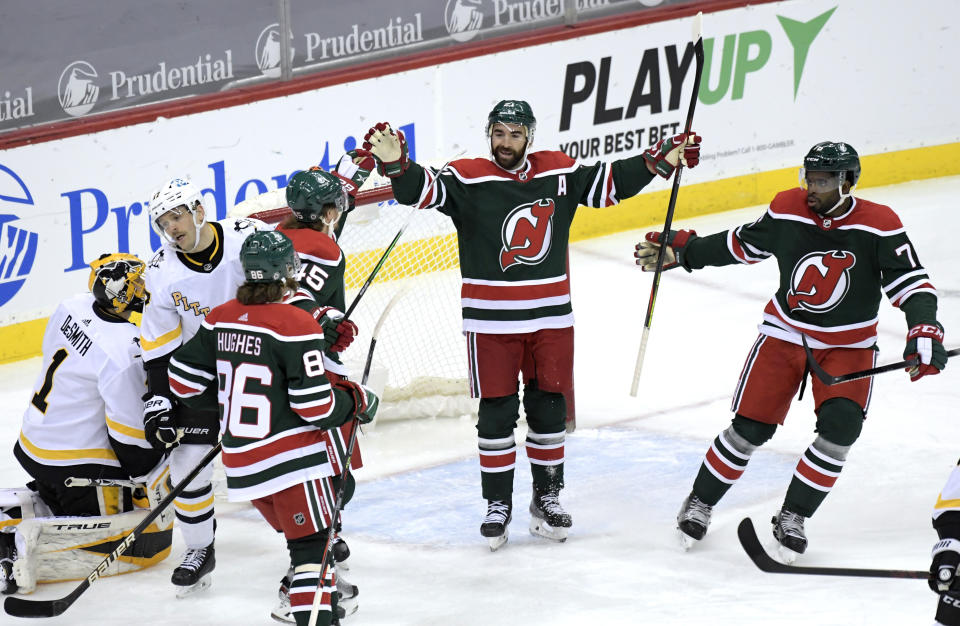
315,609
23,607
754,549
648,320
829,379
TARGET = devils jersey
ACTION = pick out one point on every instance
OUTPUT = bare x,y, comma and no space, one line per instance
85,414
833,270
182,291
513,229
266,364
321,274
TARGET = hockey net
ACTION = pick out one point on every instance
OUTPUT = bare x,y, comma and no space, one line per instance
419,366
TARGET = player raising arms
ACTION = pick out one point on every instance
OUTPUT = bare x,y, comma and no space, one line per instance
276,402
512,213
84,421
837,255
197,268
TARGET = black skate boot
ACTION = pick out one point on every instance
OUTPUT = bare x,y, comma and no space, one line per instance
8,554
789,533
547,517
494,526
193,575
693,520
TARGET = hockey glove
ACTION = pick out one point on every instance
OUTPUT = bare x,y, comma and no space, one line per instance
159,423
647,251
365,402
390,149
337,332
943,569
925,342
666,153
353,170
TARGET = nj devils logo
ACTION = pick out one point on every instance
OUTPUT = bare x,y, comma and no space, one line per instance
526,234
820,280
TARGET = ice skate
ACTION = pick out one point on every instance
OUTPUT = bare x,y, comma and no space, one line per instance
789,533
347,602
547,517
281,612
193,574
692,521
8,554
494,526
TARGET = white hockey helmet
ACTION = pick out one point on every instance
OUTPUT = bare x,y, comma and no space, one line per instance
177,194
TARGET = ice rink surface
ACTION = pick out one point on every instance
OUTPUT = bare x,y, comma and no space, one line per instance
413,526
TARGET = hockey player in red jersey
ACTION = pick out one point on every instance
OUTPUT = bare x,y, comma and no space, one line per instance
512,212
319,201
837,255
276,401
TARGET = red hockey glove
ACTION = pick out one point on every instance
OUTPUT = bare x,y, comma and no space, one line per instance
647,251
337,332
925,342
664,155
365,402
354,168
389,146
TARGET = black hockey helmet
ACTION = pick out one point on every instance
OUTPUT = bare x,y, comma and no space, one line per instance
116,282
834,156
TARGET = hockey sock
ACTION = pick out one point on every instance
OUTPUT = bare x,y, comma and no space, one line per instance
497,446
839,422
306,555
195,513
546,415
727,458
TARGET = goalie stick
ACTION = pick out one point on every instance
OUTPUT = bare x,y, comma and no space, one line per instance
648,320
754,549
24,607
314,610
829,379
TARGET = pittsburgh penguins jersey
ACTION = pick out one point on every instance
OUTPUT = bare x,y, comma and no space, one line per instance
85,416
833,270
266,363
322,268
182,290
513,229
949,499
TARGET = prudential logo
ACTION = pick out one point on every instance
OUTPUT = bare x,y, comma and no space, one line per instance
18,247
268,51
463,19
78,89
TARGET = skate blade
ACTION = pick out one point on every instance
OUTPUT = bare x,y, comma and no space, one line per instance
540,528
786,555
686,541
349,607
497,542
283,615
190,590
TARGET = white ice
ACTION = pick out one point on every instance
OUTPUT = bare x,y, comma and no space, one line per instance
413,527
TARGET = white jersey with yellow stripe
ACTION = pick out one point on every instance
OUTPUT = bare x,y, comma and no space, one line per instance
183,291
949,498
88,389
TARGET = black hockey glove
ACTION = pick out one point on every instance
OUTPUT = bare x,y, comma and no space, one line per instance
943,569
365,402
159,422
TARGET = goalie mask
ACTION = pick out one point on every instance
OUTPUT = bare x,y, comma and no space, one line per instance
310,193
175,196
268,257
837,159
116,282
516,113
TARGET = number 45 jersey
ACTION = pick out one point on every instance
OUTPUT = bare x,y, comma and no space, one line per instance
87,393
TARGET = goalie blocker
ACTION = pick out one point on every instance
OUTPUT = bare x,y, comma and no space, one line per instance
48,549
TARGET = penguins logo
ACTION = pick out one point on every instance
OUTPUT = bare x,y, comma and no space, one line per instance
820,280
526,234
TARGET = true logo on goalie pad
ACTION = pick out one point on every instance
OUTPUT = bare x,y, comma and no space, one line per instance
527,233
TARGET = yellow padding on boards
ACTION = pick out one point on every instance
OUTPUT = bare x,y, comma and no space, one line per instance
21,341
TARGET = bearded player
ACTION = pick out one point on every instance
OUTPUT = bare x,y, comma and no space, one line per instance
837,254
512,212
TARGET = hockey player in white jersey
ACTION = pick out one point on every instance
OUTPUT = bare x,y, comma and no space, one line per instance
945,564
82,437
197,269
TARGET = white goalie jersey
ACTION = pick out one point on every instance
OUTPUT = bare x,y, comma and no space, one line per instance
182,291
88,391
